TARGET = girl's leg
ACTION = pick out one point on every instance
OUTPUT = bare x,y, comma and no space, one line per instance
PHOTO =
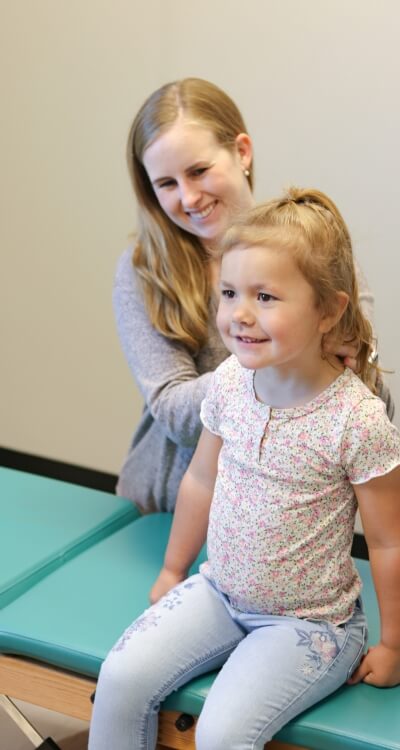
273,675
188,632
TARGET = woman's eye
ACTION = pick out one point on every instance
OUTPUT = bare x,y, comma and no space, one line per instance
166,184
199,171
264,297
228,293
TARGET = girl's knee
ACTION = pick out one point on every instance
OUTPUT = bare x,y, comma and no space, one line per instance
123,676
213,735
227,729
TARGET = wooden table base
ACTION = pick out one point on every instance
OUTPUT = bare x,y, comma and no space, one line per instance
68,693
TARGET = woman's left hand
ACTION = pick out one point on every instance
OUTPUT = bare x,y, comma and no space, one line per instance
380,667
347,352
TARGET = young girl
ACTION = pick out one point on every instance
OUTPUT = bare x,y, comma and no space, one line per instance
292,442
191,164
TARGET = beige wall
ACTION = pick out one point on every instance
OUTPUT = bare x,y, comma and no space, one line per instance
318,83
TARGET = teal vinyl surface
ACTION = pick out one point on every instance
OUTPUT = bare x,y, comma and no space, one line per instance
45,522
72,617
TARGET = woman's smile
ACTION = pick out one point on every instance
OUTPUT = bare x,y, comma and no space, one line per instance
204,213
199,184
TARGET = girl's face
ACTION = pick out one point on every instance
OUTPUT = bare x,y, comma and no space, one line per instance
199,184
267,314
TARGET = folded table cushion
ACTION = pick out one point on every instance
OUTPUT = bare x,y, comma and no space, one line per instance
73,616
45,522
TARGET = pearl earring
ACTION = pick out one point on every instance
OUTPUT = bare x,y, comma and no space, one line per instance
246,172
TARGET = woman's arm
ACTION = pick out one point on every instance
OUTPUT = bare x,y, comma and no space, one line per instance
189,528
379,504
166,373
365,296
348,351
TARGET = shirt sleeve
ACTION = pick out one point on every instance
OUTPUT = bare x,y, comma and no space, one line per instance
166,373
371,444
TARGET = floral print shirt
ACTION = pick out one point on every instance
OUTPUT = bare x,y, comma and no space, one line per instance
282,516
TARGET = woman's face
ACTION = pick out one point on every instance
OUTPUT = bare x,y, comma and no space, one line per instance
199,184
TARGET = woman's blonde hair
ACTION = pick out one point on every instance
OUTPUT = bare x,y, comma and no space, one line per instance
172,263
308,224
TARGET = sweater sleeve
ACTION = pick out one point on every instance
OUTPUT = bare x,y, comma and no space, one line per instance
166,373
367,301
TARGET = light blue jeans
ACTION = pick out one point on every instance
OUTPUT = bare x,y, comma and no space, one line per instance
273,668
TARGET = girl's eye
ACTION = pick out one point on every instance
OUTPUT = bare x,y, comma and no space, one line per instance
228,293
265,297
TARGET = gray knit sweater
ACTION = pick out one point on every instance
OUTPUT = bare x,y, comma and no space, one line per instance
173,384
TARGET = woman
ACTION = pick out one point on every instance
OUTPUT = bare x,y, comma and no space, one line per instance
191,165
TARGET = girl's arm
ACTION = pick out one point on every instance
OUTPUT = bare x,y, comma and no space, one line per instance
379,503
189,528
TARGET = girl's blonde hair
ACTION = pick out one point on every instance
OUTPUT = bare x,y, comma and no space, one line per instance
172,263
308,224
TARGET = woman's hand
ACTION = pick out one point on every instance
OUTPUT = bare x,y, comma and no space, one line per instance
166,581
347,352
380,667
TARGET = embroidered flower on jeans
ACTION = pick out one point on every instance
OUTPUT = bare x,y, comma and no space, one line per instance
151,616
322,648
174,597
148,619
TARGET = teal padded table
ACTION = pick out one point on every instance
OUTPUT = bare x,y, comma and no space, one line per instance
45,522
55,633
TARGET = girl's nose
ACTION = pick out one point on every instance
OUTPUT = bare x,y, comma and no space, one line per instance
242,315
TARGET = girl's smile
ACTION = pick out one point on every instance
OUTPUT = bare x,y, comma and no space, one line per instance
248,341
268,316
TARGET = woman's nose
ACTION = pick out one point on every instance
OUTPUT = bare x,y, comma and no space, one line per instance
190,195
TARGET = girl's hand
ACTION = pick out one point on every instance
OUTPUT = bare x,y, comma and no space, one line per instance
347,353
380,667
166,581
